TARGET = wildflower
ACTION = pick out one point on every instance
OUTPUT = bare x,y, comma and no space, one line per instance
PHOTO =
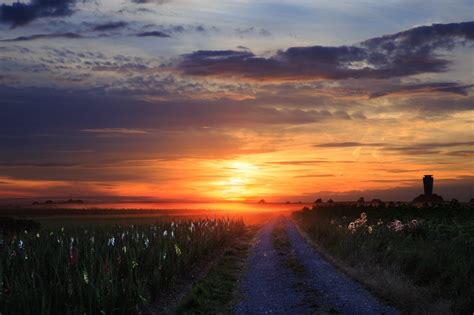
72,257
111,241
123,236
37,235
172,234
69,288
86,277
147,242
352,227
20,244
165,233
396,226
332,222
124,249
379,222
62,229
369,229
26,256
177,249
134,264
164,255
51,233
26,232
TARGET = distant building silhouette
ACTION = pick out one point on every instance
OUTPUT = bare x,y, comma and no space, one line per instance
428,184
428,196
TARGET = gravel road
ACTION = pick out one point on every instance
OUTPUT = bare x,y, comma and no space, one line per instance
269,287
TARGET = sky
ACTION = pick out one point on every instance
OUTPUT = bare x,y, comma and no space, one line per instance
236,100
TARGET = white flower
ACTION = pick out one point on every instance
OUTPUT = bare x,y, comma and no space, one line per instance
20,244
86,277
165,233
177,249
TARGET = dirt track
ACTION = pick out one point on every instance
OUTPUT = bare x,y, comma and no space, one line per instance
269,286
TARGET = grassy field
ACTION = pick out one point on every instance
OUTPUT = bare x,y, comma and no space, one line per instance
111,269
420,259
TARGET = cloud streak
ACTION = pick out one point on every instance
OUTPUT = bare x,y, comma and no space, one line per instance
402,54
19,13
43,36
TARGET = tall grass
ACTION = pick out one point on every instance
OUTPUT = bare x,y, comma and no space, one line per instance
103,269
431,246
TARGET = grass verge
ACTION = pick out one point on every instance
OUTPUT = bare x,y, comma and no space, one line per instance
282,245
216,292
420,268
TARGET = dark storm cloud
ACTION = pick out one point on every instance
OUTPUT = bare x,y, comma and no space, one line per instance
19,13
401,54
152,34
109,26
43,36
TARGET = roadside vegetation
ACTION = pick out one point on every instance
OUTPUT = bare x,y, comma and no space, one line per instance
116,269
282,245
217,292
419,259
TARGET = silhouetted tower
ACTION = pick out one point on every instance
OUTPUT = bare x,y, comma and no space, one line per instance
428,185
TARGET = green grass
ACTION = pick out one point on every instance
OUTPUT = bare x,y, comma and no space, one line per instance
425,266
116,269
215,293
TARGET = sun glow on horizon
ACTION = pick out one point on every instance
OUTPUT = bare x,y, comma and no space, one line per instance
241,182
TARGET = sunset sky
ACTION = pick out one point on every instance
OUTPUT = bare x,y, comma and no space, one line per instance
236,100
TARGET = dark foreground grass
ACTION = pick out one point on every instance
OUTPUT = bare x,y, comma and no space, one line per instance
422,263
103,270
216,292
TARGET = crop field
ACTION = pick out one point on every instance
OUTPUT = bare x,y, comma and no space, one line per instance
421,259
109,269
